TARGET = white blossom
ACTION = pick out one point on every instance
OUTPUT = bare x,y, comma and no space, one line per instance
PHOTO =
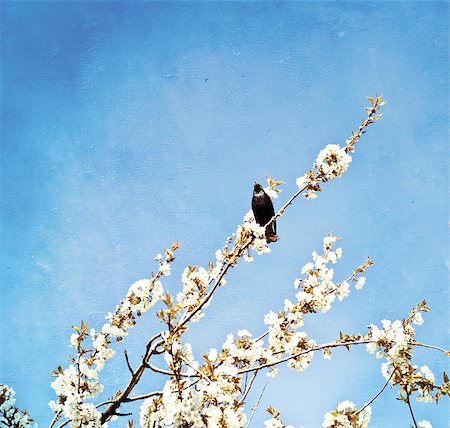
10,415
164,268
360,283
427,373
418,319
275,423
212,354
346,416
301,182
272,372
271,192
333,160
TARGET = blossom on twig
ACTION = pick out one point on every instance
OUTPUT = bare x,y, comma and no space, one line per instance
10,415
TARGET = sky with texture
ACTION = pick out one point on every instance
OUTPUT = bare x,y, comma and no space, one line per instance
128,125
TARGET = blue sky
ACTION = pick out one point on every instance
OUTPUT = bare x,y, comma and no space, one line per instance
128,125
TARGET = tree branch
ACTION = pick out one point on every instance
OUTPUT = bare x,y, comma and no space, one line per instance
144,396
307,351
256,405
437,348
411,410
247,388
128,362
55,419
376,395
157,340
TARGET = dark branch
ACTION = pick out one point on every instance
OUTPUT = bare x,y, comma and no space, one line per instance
128,362
411,411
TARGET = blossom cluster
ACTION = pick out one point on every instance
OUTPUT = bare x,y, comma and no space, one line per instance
141,296
317,291
252,235
333,161
79,382
196,281
174,408
212,403
274,421
217,399
74,385
347,416
394,342
10,415
272,187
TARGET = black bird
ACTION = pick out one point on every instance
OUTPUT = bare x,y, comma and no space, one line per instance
263,211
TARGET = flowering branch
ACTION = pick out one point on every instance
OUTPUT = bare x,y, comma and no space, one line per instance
194,296
302,353
212,392
10,415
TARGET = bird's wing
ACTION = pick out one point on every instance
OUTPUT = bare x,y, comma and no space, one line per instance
272,214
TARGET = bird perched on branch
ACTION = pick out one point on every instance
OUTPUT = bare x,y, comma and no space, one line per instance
263,211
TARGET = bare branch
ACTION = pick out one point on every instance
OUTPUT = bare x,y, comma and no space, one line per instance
63,424
128,362
256,405
55,419
411,411
144,396
247,389
437,348
122,414
376,395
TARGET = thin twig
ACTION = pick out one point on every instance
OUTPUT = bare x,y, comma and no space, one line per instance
128,362
247,389
245,381
262,336
411,410
217,281
256,405
307,351
164,371
104,403
130,399
64,424
377,395
200,373
423,345
144,396
55,418
280,212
